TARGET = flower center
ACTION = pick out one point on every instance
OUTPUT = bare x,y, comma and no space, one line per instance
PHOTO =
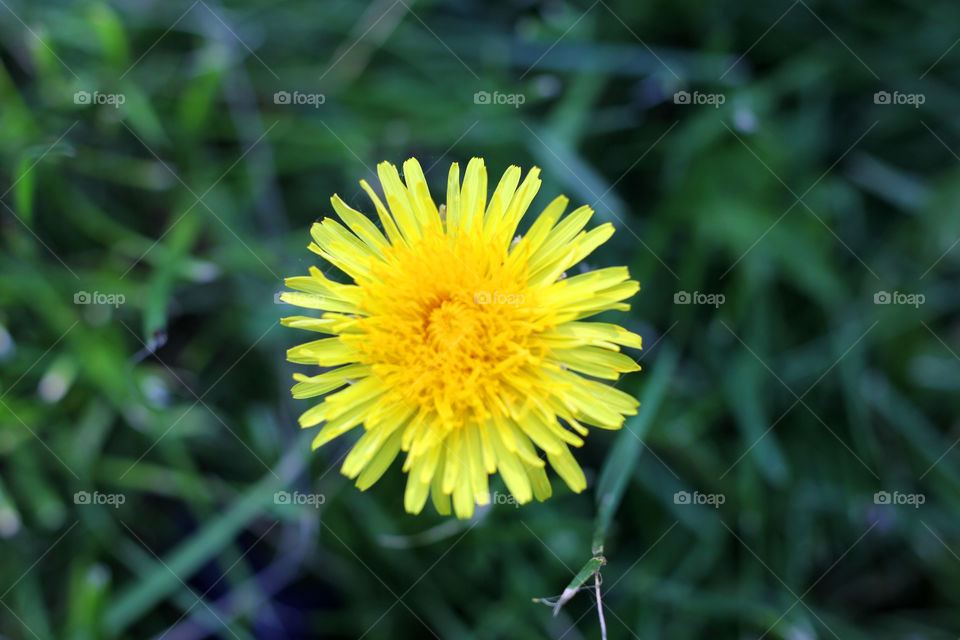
449,322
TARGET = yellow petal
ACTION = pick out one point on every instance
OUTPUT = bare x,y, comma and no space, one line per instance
380,462
568,469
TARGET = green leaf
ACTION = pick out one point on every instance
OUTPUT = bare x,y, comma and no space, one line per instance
622,460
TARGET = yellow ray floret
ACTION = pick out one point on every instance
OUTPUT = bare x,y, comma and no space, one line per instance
459,344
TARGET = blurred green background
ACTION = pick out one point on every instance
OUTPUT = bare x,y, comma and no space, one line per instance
152,168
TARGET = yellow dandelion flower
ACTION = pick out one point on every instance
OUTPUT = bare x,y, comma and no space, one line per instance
457,343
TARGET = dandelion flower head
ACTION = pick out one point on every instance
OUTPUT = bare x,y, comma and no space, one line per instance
459,343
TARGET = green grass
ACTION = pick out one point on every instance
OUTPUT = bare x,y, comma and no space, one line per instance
797,399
